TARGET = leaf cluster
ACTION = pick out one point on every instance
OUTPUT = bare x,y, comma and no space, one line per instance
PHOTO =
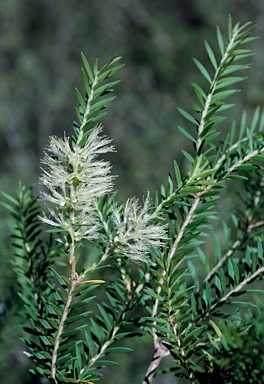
91,107
85,341
198,297
192,288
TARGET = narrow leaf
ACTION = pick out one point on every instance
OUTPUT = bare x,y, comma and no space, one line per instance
187,134
187,116
203,71
87,67
211,55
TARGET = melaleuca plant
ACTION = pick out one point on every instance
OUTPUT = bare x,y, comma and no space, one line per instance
163,267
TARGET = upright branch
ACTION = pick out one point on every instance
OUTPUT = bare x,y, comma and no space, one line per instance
195,197
76,179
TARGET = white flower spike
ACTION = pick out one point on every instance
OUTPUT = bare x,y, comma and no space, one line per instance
75,178
137,230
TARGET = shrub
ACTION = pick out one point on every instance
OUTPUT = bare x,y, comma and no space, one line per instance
161,267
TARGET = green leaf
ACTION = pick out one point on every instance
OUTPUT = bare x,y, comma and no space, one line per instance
105,88
73,332
259,157
10,209
53,309
10,198
105,316
187,116
177,174
45,324
67,346
80,98
199,93
95,68
255,291
162,329
230,27
238,177
211,55
86,82
64,282
227,81
203,71
109,73
234,68
105,363
187,134
118,350
45,340
220,40
83,302
87,67
216,328
72,319
110,63
65,357
101,104
153,294
219,96
260,251
96,330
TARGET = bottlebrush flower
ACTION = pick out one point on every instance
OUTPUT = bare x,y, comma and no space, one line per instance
75,178
137,230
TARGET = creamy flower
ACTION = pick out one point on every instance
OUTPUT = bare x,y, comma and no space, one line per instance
75,178
137,230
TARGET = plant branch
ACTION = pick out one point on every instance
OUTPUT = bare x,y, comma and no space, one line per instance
223,158
104,346
212,90
111,339
181,233
244,160
74,282
235,290
158,355
252,225
242,239
92,267
183,354
87,109
159,348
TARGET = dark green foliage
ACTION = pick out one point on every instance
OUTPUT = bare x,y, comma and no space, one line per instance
89,110
44,293
198,294
188,302
32,264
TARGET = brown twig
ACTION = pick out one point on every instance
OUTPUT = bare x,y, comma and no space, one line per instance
158,355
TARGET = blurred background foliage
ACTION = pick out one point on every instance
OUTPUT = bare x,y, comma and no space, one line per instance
40,44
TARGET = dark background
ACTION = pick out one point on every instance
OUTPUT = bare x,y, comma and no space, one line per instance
40,44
